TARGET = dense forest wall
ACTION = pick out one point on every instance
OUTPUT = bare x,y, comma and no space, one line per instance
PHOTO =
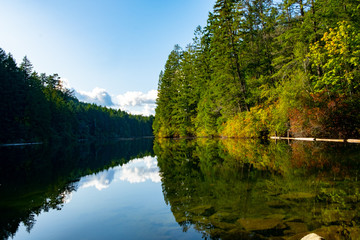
36,107
262,67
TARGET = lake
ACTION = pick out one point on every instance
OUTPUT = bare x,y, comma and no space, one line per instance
180,189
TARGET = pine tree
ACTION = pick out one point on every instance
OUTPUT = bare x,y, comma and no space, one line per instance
167,93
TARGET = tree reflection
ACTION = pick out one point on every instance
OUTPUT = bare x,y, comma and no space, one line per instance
38,179
241,189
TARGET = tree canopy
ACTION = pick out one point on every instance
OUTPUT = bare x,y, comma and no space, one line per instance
261,67
37,107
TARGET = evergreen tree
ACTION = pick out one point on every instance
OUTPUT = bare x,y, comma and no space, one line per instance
260,67
36,107
167,93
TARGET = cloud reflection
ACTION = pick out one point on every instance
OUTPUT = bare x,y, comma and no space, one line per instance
100,180
140,170
136,171
66,196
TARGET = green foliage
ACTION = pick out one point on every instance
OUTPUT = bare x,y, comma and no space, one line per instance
259,68
37,107
338,54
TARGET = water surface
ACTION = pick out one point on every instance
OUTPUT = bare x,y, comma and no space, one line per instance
180,189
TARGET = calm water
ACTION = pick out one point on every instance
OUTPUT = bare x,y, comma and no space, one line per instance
180,189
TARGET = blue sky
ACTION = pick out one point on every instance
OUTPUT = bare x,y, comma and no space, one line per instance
110,51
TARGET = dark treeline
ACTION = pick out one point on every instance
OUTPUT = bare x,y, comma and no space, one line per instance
36,107
262,67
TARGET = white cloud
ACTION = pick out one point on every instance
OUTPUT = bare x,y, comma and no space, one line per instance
98,96
137,102
65,83
133,102
136,98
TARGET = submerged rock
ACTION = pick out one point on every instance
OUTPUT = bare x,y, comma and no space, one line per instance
205,210
202,220
297,196
296,227
276,216
330,233
180,217
235,234
312,236
223,217
266,227
337,216
278,204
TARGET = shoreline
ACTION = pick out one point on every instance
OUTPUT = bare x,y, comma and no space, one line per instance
317,139
19,144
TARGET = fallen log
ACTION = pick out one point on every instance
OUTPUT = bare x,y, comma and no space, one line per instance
316,139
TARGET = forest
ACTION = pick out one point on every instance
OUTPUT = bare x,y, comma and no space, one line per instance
263,67
37,108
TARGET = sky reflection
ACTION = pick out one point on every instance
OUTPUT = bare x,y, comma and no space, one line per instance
136,171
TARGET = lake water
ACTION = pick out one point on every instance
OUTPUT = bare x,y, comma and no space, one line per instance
180,189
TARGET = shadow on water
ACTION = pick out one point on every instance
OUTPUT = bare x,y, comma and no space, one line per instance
38,178
240,189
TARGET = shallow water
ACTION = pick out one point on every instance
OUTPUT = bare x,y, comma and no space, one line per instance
180,189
